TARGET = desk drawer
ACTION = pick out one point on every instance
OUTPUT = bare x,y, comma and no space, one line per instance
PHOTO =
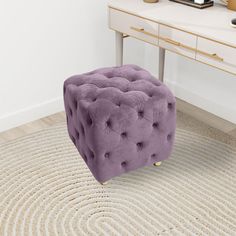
134,26
177,41
216,54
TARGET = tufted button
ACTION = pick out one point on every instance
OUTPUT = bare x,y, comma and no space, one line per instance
153,155
108,123
140,145
124,135
70,112
155,125
170,105
75,104
140,114
110,75
94,99
89,120
150,95
107,155
118,104
169,136
124,163
82,129
77,134
91,155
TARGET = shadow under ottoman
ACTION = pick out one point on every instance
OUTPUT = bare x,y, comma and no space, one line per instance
120,119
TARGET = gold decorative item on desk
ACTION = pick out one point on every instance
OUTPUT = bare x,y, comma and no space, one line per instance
232,5
150,1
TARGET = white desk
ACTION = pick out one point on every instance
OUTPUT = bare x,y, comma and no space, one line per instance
202,35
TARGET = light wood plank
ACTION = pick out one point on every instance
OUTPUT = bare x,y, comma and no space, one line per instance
32,127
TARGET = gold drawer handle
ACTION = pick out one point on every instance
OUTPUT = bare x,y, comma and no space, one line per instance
216,57
213,56
137,29
141,30
172,42
178,44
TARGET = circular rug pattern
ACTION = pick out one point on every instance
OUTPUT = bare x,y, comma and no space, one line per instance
46,189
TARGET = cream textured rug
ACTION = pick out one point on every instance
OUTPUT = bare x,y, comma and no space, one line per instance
46,189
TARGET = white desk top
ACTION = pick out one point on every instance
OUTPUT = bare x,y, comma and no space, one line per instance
212,22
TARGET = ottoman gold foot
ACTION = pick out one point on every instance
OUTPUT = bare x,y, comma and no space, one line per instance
157,163
104,183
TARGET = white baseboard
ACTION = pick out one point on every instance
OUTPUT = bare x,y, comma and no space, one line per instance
224,112
32,113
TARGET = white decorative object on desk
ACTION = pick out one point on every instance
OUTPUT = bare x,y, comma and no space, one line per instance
199,1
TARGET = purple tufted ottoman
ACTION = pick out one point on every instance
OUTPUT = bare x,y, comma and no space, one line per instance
119,119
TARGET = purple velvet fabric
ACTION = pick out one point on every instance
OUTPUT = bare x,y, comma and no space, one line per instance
120,119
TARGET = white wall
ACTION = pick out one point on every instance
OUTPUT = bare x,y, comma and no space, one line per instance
44,42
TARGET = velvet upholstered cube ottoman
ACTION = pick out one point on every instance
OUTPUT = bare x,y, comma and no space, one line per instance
119,119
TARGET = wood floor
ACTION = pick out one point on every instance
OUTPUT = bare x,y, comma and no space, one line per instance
32,127
184,121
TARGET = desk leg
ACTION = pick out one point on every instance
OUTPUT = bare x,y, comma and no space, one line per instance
119,49
162,53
